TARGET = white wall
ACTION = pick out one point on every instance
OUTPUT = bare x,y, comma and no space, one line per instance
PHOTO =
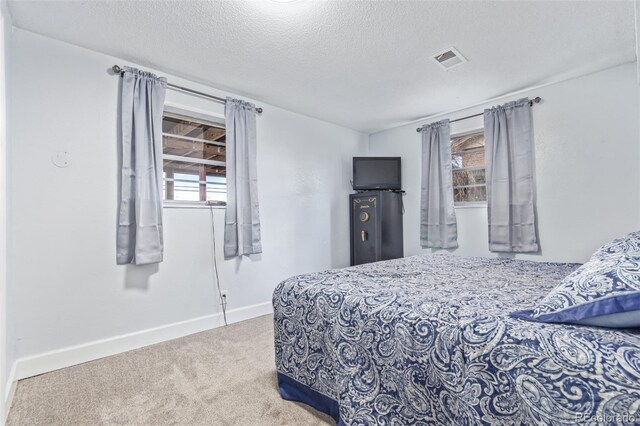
586,153
5,35
66,288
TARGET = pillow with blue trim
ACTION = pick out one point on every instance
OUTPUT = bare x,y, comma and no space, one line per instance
630,243
604,292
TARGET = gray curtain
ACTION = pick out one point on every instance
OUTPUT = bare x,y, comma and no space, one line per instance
139,239
510,183
242,219
438,226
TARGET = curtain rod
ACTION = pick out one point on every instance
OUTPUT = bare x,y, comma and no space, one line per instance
119,70
535,100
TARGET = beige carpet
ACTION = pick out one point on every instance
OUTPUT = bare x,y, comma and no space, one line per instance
224,376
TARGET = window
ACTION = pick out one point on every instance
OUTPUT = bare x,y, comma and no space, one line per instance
467,160
194,158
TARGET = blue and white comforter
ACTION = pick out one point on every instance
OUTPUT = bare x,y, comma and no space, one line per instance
429,340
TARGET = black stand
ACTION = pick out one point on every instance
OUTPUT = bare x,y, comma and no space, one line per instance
376,226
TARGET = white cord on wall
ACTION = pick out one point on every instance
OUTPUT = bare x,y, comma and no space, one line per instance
223,298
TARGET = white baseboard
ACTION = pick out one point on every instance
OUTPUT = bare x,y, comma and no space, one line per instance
78,354
9,392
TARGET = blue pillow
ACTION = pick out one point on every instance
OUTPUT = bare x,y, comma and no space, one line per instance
630,243
604,292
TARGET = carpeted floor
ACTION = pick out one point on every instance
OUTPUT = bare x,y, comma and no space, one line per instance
224,376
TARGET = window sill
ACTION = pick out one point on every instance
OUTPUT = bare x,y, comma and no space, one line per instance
189,205
470,206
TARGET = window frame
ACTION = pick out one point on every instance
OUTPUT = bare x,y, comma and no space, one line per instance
468,204
199,115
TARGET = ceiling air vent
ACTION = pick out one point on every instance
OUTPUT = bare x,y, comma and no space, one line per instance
449,58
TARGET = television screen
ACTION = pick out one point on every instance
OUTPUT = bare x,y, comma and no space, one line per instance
376,173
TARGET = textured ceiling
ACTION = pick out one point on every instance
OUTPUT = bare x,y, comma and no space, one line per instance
364,65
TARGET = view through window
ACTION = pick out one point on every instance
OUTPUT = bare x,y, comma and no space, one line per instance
194,153
468,163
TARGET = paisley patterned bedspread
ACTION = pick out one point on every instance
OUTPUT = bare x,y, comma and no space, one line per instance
428,340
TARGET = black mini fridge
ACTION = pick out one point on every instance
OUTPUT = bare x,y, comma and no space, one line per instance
376,226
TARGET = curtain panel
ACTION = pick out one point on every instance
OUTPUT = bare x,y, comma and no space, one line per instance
510,177
242,218
438,226
139,238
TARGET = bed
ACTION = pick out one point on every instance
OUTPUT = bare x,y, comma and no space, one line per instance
428,340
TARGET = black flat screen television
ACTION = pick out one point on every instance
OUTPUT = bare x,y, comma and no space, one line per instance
376,173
